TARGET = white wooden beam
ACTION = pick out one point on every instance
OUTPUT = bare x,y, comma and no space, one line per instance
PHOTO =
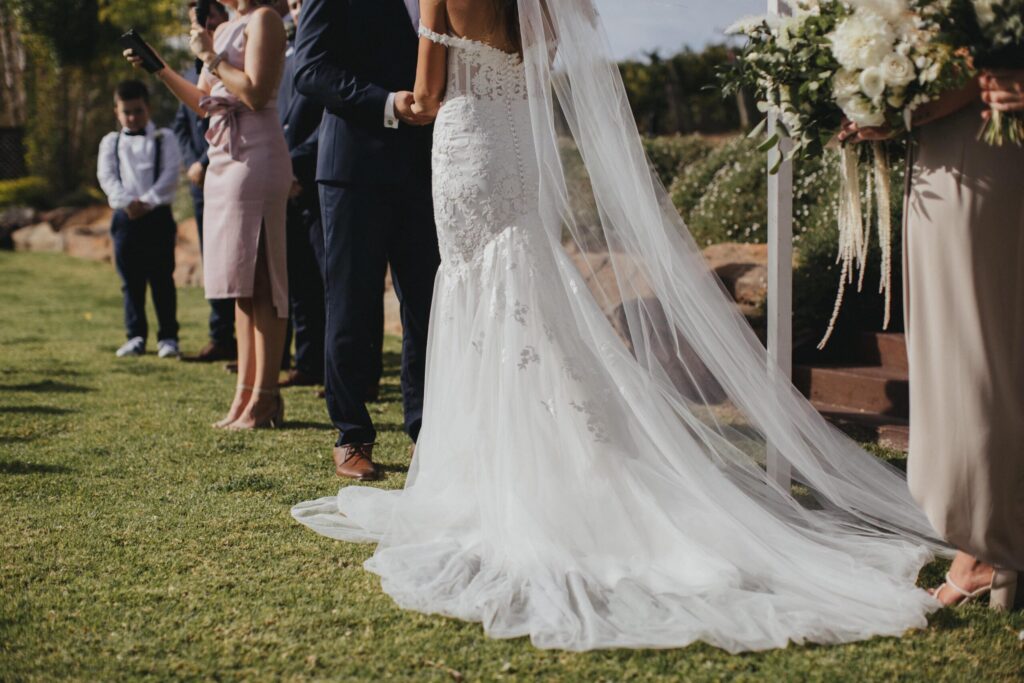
780,274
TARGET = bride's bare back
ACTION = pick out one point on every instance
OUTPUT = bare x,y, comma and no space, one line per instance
481,20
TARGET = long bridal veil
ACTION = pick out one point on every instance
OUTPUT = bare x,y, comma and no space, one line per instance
672,313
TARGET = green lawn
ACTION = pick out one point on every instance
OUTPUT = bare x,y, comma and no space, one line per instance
139,543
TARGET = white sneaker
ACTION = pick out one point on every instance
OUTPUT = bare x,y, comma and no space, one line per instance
136,346
167,348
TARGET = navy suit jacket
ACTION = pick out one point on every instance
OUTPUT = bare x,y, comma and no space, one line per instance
300,118
190,132
350,55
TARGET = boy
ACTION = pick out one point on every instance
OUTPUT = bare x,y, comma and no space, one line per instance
138,170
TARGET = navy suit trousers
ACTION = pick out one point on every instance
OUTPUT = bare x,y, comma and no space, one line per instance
144,254
366,228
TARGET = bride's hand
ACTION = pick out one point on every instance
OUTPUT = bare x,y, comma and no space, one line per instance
851,132
200,42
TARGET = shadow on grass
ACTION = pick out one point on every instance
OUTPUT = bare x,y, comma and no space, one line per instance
21,467
47,386
15,438
306,424
36,410
392,469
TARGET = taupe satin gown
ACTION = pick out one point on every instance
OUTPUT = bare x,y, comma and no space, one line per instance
964,287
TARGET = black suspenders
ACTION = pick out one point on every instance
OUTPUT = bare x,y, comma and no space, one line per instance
157,156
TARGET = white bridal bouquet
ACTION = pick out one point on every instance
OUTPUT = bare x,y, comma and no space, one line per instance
872,62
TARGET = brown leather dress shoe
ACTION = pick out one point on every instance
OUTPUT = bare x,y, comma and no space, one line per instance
355,461
297,378
214,352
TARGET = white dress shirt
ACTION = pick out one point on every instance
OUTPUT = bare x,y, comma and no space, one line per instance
137,153
390,119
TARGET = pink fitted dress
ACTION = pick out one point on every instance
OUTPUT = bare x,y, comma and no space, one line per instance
247,184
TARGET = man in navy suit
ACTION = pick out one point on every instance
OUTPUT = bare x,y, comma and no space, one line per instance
190,132
357,59
300,117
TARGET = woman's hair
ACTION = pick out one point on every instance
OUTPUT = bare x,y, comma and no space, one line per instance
506,15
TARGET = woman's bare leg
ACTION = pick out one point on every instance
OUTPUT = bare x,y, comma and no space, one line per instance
268,345
245,334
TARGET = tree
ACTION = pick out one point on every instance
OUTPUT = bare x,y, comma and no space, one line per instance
73,60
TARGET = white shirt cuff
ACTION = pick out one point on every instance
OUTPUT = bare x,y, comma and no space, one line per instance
390,120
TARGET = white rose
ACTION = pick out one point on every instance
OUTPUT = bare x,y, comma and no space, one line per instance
897,70
845,84
862,40
896,99
872,83
983,8
862,112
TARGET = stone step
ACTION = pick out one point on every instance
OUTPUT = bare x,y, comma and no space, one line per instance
885,349
869,389
886,430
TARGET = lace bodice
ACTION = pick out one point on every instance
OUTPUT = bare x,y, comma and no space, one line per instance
484,166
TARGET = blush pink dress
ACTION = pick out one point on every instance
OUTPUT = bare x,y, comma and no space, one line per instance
247,184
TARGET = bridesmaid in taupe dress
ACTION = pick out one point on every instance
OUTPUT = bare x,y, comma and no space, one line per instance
964,293
246,192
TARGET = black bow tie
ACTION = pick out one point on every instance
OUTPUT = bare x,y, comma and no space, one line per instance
135,132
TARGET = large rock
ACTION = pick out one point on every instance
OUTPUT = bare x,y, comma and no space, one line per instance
14,218
743,269
38,237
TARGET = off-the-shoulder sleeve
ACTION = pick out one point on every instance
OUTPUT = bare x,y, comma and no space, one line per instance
435,37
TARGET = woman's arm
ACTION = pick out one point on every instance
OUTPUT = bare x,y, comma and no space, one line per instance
949,103
179,85
432,67
256,84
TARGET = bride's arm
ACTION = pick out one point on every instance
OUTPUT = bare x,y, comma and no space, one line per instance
432,67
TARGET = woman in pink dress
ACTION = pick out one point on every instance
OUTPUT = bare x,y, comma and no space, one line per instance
246,194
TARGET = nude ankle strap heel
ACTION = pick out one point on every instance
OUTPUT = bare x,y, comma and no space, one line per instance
1004,590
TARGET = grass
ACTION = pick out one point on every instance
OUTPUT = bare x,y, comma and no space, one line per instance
138,543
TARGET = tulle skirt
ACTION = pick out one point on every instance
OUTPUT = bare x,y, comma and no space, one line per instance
555,494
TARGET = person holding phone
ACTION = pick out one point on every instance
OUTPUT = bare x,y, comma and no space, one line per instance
245,194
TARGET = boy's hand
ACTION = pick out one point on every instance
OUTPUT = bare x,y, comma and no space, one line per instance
137,209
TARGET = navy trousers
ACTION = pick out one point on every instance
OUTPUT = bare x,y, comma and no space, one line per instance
144,254
366,228
305,244
222,311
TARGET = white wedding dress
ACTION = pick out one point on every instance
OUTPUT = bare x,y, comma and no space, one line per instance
563,489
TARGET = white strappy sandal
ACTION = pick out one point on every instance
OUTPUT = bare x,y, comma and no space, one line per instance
1002,587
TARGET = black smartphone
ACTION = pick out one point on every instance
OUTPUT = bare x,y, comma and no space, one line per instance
202,12
134,42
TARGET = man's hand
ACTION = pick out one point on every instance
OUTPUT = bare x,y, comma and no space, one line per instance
404,102
295,190
137,209
196,174
1003,90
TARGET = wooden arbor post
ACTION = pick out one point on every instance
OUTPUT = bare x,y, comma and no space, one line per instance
780,273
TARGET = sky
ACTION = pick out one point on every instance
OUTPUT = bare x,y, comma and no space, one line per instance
638,26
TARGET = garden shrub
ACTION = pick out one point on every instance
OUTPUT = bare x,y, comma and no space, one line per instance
723,198
671,154
28,191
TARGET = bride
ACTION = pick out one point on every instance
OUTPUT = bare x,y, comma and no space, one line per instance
592,485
